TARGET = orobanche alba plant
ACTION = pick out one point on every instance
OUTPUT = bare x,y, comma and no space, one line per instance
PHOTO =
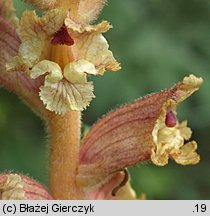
46,60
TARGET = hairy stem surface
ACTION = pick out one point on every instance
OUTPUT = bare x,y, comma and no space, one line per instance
64,133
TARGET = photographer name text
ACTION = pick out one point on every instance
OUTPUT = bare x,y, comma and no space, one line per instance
47,209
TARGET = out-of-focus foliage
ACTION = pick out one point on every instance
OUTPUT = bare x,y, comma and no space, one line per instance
158,42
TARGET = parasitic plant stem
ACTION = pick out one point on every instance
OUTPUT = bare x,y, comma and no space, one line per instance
64,154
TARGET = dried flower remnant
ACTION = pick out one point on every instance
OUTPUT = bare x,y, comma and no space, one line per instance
145,129
19,187
59,40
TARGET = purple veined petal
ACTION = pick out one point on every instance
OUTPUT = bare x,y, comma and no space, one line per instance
137,132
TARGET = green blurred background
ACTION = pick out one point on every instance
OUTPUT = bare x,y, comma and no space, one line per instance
158,42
